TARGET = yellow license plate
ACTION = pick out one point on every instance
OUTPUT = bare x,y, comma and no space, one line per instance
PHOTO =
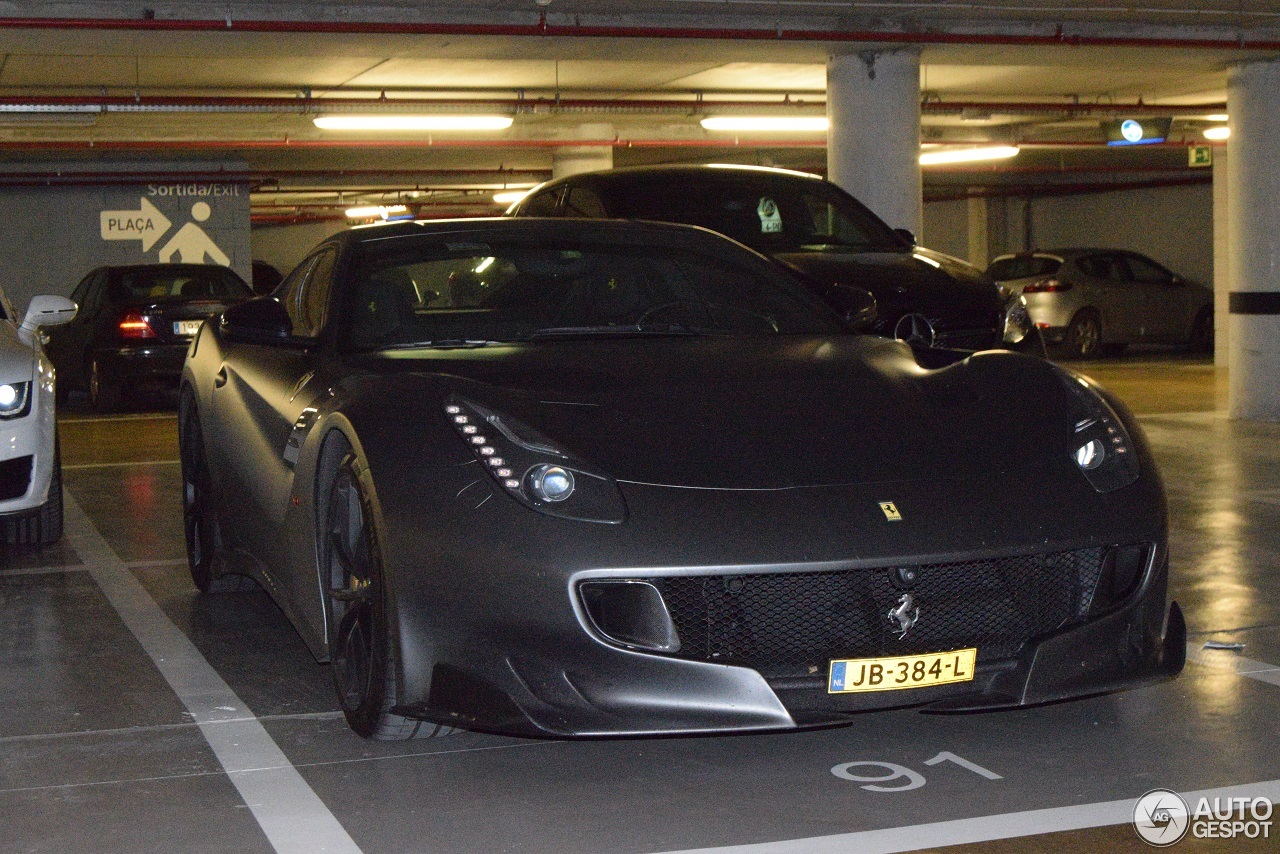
903,671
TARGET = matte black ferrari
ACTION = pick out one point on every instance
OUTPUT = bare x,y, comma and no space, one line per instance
568,477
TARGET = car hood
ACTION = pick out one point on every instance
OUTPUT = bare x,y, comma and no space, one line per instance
951,293
17,357
769,413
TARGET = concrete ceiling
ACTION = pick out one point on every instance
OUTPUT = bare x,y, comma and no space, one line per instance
241,82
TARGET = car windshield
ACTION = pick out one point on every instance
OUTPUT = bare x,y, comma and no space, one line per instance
189,283
765,212
412,291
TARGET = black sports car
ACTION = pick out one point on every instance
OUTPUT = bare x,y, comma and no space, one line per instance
558,477
821,233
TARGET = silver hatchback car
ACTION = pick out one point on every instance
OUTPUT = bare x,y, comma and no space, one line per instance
1090,302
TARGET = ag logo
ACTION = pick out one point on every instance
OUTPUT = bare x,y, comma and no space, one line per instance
890,511
1161,817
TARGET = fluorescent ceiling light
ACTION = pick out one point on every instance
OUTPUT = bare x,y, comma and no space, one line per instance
766,123
413,123
509,198
936,156
1217,117
1217,133
383,211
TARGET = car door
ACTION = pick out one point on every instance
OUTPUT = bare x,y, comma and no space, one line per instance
1106,287
1165,313
260,393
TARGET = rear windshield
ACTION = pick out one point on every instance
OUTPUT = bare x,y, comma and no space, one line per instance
199,283
1023,267
765,212
422,291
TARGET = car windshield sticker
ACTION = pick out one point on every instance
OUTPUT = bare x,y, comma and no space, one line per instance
770,217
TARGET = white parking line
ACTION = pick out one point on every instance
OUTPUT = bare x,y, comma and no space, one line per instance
42,570
65,466
290,813
93,419
967,831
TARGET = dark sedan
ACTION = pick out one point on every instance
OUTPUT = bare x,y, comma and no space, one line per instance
569,477
823,234
134,325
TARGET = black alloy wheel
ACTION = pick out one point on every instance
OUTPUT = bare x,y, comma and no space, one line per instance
360,649
1084,336
199,519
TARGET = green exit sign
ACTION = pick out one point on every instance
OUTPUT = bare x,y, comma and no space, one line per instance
1199,155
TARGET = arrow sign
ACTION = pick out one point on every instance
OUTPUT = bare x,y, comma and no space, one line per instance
146,224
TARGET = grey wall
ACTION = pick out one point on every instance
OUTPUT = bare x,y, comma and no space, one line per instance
54,235
1174,225
283,246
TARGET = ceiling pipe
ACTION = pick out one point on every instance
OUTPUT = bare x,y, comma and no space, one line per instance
543,28
1072,189
677,105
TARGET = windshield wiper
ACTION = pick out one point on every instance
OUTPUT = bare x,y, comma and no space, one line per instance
438,344
631,330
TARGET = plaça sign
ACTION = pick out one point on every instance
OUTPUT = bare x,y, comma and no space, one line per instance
191,244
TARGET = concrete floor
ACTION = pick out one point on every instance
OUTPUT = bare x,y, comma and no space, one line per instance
108,653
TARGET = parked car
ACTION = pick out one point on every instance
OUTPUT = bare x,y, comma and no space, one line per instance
30,470
816,229
1098,301
134,325
573,477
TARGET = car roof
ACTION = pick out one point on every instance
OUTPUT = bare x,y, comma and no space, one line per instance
674,234
688,170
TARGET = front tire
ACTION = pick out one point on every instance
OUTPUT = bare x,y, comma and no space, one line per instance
361,652
43,526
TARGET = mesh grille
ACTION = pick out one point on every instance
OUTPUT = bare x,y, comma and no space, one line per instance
793,624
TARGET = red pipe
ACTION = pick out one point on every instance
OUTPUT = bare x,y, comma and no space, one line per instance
274,144
545,29
310,105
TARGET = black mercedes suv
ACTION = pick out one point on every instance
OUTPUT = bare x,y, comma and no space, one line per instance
817,230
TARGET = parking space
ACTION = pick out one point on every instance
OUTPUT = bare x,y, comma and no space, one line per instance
139,715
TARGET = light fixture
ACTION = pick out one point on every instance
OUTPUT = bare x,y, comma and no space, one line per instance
428,122
935,156
1217,117
509,197
1217,133
376,211
767,124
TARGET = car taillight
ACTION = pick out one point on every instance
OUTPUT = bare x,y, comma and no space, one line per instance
134,325
1047,286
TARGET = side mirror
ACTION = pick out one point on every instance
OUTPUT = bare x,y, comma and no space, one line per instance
856,306
48,310
262,320
905,235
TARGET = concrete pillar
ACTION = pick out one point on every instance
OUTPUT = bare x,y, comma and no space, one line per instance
873,144
572,160
1253,241
979,235
1221,260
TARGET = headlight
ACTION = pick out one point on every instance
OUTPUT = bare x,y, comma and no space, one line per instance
1017,321
532,469
15,399
1101,447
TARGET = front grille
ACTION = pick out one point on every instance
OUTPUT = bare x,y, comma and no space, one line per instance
15,477
793,624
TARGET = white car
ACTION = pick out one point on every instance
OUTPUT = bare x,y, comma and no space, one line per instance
30,471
